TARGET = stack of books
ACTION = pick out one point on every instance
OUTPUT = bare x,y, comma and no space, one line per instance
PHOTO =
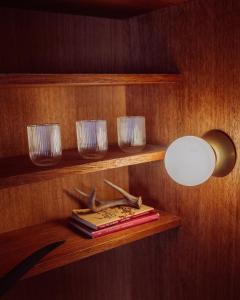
112,219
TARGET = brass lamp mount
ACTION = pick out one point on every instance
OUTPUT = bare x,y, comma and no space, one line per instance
224,149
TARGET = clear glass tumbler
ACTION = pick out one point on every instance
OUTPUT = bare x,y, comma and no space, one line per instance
92,138
131,133
44,142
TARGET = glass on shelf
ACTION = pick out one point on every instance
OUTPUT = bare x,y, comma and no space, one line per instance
92,138
131,133
44,142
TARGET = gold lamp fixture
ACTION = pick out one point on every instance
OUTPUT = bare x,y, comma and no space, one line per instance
224,149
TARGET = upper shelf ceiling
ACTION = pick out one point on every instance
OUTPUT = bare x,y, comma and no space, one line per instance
103,8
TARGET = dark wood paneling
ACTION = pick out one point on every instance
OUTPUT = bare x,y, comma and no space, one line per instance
103,8
39,42
200,39
203,41
109,275
19,244
89,279
51,43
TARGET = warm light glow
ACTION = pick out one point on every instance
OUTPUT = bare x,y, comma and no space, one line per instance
190,160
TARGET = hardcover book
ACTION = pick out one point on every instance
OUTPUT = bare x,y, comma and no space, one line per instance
114,228
110,216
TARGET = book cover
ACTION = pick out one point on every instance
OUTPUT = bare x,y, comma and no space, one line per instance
110,216
114,228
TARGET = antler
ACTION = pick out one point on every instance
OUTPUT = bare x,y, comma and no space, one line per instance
95,205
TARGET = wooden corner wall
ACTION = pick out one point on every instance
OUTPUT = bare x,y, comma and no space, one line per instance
199,39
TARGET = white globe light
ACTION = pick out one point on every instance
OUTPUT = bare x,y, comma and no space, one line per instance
190,160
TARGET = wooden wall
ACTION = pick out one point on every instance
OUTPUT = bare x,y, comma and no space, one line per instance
201,40
44,42
57,43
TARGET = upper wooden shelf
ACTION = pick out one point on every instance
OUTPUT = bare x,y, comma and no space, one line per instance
19,170
18,80
17,245
104,8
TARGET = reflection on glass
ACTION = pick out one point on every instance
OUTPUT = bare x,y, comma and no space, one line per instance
44,142
131,133
92,138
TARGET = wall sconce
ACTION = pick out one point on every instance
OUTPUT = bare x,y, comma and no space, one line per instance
190,160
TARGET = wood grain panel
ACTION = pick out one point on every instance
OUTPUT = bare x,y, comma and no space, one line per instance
23,106
82,280
109,8
41,202
199,39
51,43
21,243
48,201
202,41
36,42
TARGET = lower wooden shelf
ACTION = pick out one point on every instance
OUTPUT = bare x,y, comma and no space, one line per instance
17,245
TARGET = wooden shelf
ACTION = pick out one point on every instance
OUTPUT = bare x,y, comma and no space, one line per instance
19,80
20,170
107,8
17,245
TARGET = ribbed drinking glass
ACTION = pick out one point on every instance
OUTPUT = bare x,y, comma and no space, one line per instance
131,133
44,141
92,138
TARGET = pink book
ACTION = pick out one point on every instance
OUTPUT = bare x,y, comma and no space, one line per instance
117,227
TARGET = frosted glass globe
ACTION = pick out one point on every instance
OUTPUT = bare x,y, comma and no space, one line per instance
190,160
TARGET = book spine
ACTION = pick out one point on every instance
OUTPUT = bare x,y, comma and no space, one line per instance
80,228
125,225
76,218
125,219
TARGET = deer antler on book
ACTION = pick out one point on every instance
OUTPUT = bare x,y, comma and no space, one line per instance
95,205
